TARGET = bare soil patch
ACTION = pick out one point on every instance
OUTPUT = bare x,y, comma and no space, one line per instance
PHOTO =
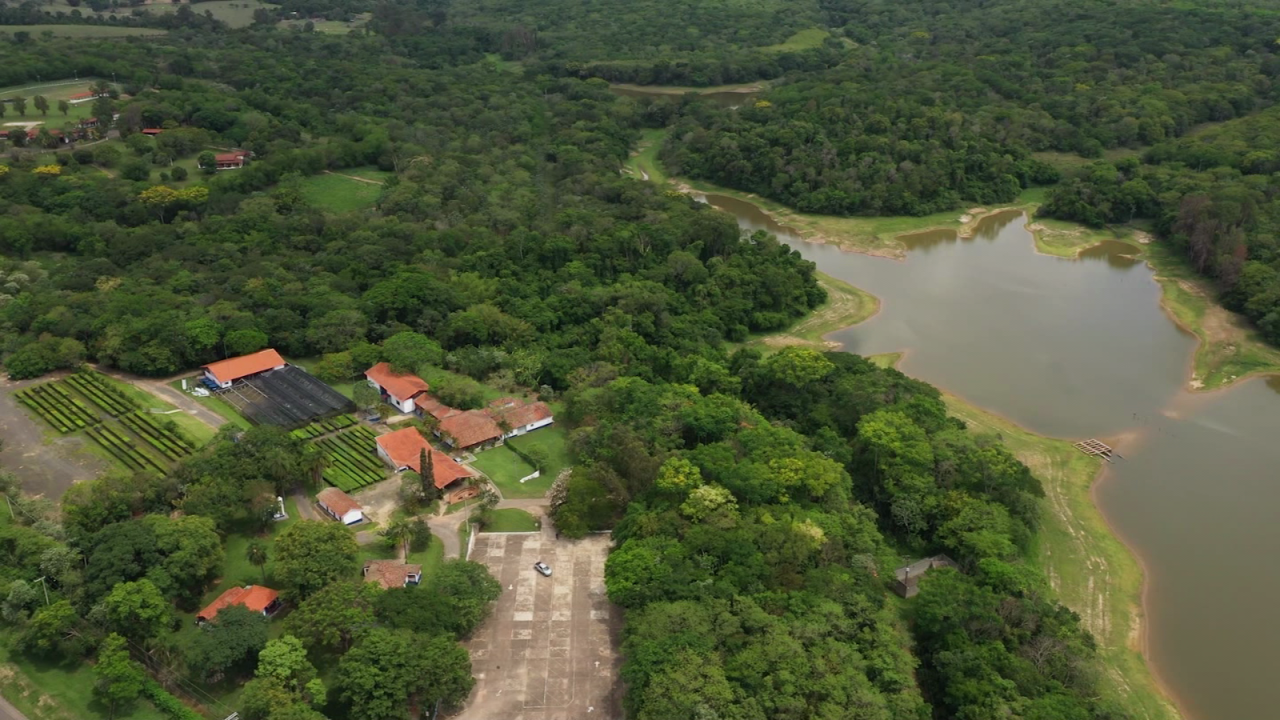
44,462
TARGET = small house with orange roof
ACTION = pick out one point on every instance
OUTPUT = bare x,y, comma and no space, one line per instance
520,416
398,389
402,449
225,372
340,506
256,598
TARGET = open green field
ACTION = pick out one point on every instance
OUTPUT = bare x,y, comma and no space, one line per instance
1091,571
643,163
82,31
339,194
53,92
236,13
505,468
511,520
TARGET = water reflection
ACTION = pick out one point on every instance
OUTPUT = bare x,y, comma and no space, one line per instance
1115,253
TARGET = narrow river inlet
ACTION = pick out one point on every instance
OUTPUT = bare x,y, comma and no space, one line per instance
1078,349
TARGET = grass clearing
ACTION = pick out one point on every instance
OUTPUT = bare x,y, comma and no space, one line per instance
505,469
1089,568
43,691
430,559
339,194
643,163
82,31
511,520
802,40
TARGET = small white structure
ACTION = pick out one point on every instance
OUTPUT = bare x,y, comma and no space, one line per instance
340,506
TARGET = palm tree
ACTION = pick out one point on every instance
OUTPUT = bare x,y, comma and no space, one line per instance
400,532
256,554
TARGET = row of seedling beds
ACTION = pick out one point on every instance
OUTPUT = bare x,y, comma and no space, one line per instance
124,450
57,407
321,427
169,442
100,392
350,460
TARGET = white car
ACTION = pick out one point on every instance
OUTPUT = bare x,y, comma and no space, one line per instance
543,568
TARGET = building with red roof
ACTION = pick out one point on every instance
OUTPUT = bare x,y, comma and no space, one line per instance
340,506
521,417
470,429
428,405
399,389
257,598
231,160
402,449
225,372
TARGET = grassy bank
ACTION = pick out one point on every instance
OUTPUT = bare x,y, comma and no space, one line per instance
846,306
1092,572
1230,348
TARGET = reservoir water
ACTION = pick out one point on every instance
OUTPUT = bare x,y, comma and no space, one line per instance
1081,348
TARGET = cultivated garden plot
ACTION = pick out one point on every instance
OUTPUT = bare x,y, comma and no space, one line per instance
88,401
351,461
324,427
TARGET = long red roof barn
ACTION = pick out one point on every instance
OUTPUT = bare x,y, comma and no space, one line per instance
231,369
404,448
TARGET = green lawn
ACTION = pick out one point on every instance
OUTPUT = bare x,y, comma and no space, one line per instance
506,468
53,92
338,194
83,31
511,520
56,692
367,172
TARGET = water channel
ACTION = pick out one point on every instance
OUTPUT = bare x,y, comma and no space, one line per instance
1078,349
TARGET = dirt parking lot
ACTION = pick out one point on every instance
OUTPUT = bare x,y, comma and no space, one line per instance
549,650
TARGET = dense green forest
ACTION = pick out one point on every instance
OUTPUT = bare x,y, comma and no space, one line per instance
752,542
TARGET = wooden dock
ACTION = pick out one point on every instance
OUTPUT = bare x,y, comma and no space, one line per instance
1096,448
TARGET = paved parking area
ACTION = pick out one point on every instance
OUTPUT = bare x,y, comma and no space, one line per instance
549,650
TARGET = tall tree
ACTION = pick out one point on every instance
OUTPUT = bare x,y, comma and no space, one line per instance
42,104
311,554
389,671
64,107
137,610
228,644
118,678
20,104
256,554
332,619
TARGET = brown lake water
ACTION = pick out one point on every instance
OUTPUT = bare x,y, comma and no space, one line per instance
1081,348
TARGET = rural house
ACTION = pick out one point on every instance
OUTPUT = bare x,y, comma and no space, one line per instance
224,372
521,417
398,389
231,161
257,598
340,506
469,430
906,579
403,448
392,573
428,405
